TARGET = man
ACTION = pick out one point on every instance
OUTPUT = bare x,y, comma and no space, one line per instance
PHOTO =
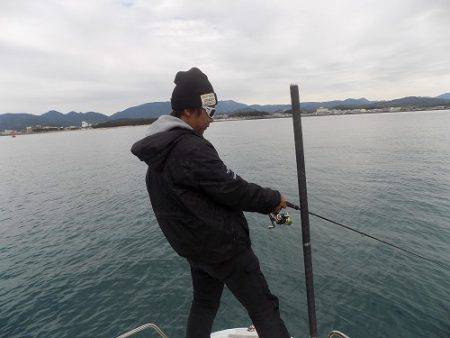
199,205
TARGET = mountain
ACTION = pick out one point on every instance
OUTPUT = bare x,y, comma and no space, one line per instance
405,102
413,101
156,109
445,96
230,106
51,118
308,106
55,118
351,103
354,102
18,121
90,117
146,110
271,108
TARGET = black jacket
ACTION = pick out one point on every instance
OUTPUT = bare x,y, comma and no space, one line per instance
197,200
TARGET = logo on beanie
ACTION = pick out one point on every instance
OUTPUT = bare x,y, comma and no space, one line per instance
208,100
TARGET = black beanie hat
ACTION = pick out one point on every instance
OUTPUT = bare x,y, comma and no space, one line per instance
189,92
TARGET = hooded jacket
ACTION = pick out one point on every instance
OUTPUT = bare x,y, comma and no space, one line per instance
198,202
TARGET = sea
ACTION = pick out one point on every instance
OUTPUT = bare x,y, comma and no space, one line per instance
81,253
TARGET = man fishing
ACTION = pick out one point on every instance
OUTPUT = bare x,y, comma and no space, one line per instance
199,204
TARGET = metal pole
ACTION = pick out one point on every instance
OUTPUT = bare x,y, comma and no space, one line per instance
298,137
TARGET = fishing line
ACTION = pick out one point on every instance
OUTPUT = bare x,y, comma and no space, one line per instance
296,207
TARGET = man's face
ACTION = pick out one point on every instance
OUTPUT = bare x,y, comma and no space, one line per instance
197,119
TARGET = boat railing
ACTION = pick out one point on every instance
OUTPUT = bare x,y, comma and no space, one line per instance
332,334
142,328
337,334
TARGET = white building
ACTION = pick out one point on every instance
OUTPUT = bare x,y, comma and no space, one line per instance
322,111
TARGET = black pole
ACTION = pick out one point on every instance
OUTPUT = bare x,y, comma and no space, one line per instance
298,137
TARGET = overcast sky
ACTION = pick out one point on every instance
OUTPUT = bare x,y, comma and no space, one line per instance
107,55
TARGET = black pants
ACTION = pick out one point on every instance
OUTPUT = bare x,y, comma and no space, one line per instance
244,279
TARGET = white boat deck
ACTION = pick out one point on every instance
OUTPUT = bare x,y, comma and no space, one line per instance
241,332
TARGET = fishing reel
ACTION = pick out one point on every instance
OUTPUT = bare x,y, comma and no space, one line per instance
279,218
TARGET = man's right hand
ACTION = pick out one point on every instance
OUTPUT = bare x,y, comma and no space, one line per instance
280,206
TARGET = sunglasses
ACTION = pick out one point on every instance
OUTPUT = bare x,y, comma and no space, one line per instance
210,111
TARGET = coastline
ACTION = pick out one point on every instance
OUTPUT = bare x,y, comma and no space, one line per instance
262,117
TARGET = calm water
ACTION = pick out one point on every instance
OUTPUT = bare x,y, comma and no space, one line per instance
82,256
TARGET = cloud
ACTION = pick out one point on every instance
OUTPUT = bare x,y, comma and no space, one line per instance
106,55
127,3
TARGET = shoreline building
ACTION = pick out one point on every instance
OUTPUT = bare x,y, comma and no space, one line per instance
85,124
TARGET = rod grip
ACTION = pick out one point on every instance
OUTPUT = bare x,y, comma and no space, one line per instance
292,205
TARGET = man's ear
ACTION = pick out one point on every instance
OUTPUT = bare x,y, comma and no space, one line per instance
195,111
186,112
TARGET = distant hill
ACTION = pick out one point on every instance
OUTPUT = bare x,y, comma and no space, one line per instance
445,96
404,102
271,108
308,106
352,103
51,118
230,106
18,121
413,101
155,109
146,110
57,119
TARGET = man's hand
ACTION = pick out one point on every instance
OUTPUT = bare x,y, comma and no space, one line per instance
282,204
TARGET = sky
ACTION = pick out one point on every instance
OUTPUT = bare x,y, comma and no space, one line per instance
107,55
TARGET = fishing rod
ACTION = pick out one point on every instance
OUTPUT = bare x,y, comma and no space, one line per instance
362,233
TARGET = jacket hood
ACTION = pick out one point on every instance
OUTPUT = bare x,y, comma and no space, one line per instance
162,136
165,123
